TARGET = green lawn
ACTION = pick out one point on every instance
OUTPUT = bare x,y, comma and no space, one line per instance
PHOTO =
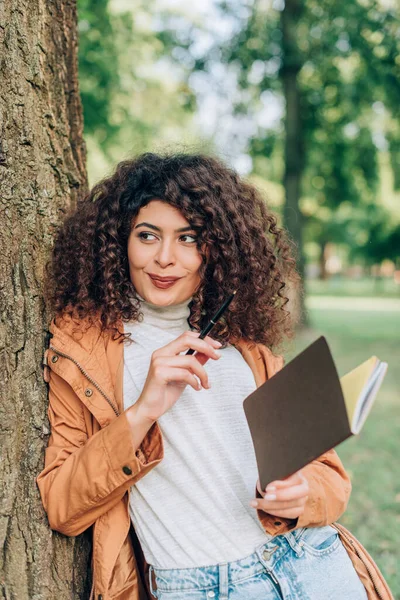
355,330
338,285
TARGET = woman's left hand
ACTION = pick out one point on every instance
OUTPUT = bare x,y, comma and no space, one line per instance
285,498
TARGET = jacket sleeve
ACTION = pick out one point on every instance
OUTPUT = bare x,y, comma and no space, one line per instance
84,476
330,489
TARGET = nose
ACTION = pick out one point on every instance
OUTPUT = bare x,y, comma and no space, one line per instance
165,255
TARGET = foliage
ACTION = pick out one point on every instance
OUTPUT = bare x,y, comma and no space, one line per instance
350,96
350,69
130,104
98,66
138,70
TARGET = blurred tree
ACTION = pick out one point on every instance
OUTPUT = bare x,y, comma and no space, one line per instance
291,65
134,100
383,243
335,66
98,66
333,62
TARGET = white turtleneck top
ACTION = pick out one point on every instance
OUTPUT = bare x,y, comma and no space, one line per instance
192,509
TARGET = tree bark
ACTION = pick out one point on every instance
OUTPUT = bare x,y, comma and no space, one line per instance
294,151
42,174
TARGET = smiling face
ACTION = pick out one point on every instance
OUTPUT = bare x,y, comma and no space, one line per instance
164,260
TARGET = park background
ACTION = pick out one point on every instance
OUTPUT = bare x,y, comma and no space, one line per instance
302,97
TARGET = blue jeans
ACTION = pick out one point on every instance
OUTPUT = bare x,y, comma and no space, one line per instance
305,564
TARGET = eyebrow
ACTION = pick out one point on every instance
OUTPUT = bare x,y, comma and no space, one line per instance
150,226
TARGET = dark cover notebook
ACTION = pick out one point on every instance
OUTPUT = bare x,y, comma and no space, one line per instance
300,412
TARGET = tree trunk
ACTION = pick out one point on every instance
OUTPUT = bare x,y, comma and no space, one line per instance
294,152
42,173
323,273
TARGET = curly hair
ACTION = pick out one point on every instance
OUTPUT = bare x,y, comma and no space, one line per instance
238,238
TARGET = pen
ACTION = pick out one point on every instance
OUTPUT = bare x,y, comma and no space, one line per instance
214,320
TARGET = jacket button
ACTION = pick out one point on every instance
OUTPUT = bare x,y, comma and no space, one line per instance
127,470
54,358
88,392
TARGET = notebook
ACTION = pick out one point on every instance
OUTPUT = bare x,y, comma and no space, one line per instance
306,409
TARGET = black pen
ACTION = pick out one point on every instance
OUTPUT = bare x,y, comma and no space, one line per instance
214,320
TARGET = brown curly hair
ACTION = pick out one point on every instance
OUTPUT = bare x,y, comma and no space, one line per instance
238,238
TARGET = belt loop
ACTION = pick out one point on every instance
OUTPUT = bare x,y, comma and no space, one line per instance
223,581
152,592
294,540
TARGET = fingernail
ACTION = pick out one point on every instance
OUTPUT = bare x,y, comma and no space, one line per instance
270,497
270,488
219,343
218,354
254,503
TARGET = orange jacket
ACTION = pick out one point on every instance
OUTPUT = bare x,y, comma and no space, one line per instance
90,462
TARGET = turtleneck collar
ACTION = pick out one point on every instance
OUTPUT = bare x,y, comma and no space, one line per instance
170,317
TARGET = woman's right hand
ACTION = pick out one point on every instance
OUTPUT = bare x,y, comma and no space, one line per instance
170,372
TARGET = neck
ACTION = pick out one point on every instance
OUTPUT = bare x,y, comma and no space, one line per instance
172,317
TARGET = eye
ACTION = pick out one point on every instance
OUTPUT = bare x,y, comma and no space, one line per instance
146,236
190,239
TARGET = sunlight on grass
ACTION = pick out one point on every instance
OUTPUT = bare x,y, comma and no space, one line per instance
357,303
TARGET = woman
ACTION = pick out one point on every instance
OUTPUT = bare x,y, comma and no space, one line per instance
151,446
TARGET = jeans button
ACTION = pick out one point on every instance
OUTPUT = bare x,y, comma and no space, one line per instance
268,553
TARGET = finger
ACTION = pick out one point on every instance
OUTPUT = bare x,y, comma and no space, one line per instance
287,494
293,479
290,513
188,362
274,507
208,339
202,358
186,341
214,343
269,506
182,376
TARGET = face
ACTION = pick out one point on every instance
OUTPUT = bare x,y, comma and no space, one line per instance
164,261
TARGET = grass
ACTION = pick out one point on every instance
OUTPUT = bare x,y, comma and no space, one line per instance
356,330
338,285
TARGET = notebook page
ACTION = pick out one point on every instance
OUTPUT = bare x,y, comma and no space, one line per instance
367,398
354,382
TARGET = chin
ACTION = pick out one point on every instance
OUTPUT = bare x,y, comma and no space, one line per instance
163,297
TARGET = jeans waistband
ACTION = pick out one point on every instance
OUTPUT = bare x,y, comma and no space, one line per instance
220,575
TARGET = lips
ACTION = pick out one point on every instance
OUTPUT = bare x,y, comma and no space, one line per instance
163,282
163,279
